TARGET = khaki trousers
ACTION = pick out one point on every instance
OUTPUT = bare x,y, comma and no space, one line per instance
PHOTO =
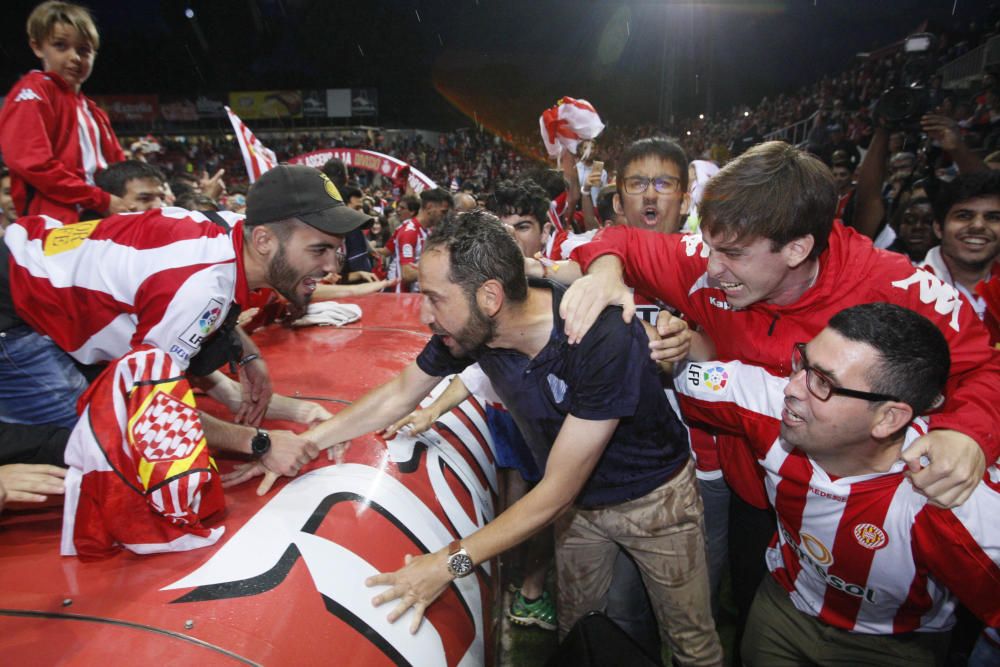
779,635
663,532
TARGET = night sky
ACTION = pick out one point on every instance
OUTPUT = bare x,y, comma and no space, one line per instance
439,64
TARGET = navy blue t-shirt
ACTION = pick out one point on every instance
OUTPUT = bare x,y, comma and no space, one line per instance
609,375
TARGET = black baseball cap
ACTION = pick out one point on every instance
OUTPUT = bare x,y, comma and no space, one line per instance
298,191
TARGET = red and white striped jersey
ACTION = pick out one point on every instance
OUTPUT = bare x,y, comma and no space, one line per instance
140,476
406,244
863,553
165,278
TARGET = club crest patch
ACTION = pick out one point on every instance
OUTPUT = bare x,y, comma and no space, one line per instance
167,430
870,536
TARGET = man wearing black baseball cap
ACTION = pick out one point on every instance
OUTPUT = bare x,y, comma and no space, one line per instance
143,293
296,191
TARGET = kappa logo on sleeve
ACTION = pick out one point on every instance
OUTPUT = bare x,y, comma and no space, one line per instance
693,244
203,325
28,95
934,292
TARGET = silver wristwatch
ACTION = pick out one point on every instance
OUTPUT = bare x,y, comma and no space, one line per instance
459,562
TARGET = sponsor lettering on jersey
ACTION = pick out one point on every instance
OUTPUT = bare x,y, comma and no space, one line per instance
27,95
179,352
933,291
820,562
825,494
69,237
870,536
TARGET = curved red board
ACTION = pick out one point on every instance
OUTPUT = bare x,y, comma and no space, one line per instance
285,583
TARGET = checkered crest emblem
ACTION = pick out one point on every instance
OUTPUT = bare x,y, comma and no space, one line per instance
167,430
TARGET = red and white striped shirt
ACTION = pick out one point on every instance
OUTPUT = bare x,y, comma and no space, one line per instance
406,244
865,553
164,278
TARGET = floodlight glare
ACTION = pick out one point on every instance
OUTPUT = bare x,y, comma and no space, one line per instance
189,13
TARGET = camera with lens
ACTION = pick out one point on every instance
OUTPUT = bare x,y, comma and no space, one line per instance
902,105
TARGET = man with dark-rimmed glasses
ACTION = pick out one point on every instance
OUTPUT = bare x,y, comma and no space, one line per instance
864,569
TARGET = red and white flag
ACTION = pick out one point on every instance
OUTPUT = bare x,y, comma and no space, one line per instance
568,123
257,156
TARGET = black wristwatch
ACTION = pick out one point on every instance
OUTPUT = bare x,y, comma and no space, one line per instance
260,444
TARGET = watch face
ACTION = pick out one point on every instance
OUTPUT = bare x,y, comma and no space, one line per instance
260,444
460,564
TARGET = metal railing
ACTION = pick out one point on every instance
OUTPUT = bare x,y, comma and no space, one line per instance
965,69
795,133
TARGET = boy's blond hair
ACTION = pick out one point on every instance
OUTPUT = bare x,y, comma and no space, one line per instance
46,15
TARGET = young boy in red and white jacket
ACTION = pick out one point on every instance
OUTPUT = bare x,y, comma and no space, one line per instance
54,139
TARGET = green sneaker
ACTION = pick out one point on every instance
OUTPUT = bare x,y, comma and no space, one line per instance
541,612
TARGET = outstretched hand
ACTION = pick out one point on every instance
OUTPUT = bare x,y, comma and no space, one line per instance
416,585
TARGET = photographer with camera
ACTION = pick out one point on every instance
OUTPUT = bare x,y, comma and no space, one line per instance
905,108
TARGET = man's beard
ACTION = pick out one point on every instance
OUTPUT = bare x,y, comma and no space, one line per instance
478,331
284,279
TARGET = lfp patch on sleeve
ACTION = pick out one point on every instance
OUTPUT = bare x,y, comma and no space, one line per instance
203,325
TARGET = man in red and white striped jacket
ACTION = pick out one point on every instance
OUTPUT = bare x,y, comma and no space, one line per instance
864,568
142,292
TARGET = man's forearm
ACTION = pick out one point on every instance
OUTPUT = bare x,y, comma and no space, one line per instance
409,273
449,398
607,266
225,436
376,409
574,455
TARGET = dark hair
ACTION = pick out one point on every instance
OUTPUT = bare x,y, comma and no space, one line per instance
963,188
182,183
411,203
606,203
900,212
658,147
115,178
914,359
196,201
336,171
384,232
480,249
524,197
350,191
550,180
773,191
436,196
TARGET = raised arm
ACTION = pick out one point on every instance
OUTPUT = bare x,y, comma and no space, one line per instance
869,209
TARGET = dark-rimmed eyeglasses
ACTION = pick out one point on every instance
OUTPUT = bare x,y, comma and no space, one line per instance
664,185
822,385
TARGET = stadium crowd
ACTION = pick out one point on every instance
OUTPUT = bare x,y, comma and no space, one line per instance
849,287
